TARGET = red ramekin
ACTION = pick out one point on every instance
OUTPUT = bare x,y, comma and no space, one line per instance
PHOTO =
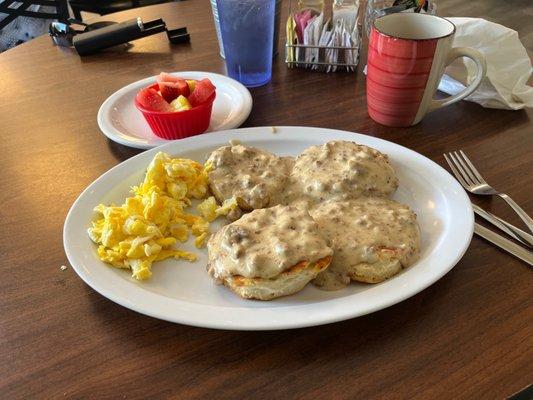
179,124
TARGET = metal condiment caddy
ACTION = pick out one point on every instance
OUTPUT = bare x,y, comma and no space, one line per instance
295,53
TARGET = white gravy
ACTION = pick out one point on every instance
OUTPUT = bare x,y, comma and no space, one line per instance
333,181
265,242
254,176
340,170
366,230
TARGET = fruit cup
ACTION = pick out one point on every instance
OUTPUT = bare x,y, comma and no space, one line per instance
178,124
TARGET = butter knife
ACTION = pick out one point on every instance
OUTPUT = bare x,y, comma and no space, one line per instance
505,226
505,244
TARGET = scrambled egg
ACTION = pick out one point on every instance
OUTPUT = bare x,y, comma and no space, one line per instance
152,220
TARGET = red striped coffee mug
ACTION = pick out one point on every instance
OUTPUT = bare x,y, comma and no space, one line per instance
407,55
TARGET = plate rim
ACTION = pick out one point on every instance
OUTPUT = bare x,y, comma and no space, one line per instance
119,137
232,324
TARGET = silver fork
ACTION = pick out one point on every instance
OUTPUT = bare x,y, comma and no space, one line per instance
471,179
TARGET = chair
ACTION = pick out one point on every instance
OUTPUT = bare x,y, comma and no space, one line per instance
23,8
103,7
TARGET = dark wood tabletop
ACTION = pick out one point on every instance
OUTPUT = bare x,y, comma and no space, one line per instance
468,336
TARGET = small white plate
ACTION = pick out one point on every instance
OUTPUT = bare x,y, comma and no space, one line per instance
182,292
121,122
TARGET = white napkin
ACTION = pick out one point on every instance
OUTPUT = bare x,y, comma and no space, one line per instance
309,33
335,40
317,30
325,35
354,36
508,65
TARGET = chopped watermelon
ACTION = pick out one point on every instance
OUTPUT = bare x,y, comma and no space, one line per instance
203,91
164,77
171,86
149,99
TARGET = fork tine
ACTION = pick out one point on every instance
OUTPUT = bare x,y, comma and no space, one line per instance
465,168
472,168
456,172
458,165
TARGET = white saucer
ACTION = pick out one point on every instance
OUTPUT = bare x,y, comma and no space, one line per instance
121,122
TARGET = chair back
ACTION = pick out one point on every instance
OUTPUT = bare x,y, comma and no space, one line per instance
22,8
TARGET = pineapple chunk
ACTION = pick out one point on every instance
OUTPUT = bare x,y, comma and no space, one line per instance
192,84
180,103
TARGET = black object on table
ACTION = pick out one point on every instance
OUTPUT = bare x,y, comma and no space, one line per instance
93,41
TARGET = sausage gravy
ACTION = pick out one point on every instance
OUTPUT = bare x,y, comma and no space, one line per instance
372,239
340,170
266,242
254,176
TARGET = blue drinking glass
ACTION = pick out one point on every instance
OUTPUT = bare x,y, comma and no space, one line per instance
247,29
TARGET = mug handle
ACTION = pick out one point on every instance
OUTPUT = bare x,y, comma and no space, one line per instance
481,65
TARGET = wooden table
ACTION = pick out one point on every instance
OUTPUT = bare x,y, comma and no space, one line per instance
468,336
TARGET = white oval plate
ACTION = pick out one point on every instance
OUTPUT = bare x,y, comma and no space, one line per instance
182,292
121,122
